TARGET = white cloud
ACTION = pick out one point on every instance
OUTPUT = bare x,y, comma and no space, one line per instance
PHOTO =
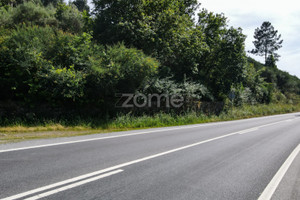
284,16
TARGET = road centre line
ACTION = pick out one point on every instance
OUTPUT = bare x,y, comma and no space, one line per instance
263,126
248,130
124,135
274,183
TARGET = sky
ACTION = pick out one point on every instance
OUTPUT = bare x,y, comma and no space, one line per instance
249,15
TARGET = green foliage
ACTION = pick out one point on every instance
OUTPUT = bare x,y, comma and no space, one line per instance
21,59
63,83
6,3
117,70
88,21
51,2
81,5
271,61
5,17
189,90
223,65
130,67
28,13
70,19
282,81
261,91
32,68
210,53
68,50
64,17
162,29
41,65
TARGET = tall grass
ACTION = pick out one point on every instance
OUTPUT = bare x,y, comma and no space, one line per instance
128,122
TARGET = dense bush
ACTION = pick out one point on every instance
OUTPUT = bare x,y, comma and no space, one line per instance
21,58
28,13
39,64
65,17
70,19
117,70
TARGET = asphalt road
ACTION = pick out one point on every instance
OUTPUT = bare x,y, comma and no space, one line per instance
244,159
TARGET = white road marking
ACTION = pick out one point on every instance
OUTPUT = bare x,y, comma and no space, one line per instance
289,120
73,185
130,134
248,131
266,125
272,186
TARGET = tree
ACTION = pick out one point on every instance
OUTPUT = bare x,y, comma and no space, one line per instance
161,28
53,2
70,18
81,5
223,64
267,41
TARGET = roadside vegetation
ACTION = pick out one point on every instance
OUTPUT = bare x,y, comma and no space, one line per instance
62,64
19,131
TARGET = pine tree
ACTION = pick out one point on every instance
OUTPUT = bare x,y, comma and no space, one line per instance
267,41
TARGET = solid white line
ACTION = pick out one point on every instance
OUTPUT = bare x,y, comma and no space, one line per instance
272,186
111,168
73,185
103,138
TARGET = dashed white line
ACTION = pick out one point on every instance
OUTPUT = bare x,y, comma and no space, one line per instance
248,131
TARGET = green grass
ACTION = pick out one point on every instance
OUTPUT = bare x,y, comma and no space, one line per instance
19,131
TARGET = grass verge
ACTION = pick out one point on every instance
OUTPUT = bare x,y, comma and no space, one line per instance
19,132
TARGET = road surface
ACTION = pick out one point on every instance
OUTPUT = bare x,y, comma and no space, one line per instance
246,159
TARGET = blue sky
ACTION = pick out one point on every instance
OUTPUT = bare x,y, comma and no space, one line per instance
284,16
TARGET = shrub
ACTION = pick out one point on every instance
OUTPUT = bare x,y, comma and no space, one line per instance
70,19
32,71
27,13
